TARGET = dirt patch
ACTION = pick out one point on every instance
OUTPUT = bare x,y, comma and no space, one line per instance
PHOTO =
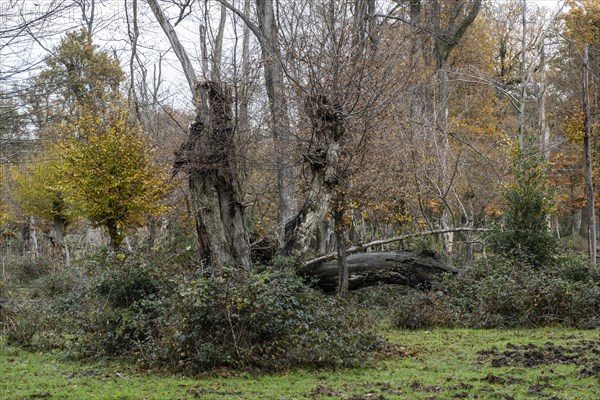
530,355
591,371
198,392
325,391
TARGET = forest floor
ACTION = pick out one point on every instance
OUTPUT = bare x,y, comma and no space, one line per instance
549,363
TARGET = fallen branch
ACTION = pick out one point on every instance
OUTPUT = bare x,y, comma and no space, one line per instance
364,246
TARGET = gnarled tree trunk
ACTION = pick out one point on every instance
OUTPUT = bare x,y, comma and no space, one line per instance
323,160
410,268
208,156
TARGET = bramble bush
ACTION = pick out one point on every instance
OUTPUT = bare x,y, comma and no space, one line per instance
501,293
267,320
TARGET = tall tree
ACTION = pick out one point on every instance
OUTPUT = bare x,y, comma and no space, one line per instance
280,121
208,157
451,21
79,74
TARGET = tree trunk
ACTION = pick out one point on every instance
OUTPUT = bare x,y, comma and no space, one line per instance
178,48
589,182
59,226
577,218
342,262
410,268
209,157
280,122
116,238
30,237
449,29
323,160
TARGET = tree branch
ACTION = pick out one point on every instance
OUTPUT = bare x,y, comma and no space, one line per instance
365,246
183,57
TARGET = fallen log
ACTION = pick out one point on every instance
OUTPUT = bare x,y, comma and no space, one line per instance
408,267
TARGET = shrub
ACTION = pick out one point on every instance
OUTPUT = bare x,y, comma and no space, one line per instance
27,270
268,320
524,236
503,293
420,310
124,287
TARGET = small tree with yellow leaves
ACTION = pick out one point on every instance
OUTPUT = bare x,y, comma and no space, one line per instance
109,168
39,190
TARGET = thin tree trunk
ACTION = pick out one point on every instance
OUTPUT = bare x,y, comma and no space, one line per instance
523,73
449,29
444,153
33,242
280,122
589,183
178,48
342,262
543,123
244,118
216,65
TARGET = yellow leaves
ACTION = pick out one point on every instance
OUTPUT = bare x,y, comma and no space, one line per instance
573,127
110,170
39,189
583,21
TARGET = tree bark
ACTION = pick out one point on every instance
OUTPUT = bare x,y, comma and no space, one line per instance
589,182
280,122
342,261
59,225
323,160
209,158
410,268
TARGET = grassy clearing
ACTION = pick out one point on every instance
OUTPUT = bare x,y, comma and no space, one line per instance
440,364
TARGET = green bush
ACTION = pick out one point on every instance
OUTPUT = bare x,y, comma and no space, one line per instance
268,320
124,287
502,293
524,236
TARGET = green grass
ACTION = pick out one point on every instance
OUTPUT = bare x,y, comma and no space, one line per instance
438,364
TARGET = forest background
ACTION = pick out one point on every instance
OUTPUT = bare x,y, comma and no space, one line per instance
169,168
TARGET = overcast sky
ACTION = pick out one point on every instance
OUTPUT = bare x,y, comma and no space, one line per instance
111,34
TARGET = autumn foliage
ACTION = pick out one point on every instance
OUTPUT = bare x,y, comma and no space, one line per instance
109,171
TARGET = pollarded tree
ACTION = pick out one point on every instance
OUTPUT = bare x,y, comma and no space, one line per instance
109,170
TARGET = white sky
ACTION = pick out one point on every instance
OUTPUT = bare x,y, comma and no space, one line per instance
111,34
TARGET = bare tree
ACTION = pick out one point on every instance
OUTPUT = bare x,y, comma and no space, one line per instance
208,156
